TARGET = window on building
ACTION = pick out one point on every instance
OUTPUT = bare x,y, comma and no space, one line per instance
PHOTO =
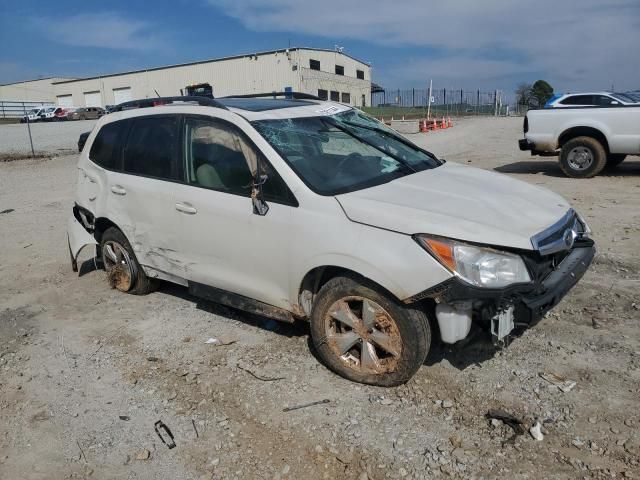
346,97
323,94
314,64
106,149
152,148
335,96
360,74
339,70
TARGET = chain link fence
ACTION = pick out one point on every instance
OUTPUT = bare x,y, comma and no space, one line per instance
15,109
414,103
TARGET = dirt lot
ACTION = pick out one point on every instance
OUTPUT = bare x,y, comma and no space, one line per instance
85,372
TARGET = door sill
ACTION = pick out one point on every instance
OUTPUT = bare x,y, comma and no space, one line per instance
240,302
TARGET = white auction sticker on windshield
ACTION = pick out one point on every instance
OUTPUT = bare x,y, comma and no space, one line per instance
329,110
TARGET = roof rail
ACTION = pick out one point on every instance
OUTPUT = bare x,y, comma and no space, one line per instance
155,102
294,95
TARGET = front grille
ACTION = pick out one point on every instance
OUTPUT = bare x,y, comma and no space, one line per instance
560,236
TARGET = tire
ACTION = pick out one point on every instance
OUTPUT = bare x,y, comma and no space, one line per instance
615,159
123,270
404,331
582,157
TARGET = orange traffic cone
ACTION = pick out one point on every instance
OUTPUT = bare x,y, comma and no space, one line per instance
443,124
450,123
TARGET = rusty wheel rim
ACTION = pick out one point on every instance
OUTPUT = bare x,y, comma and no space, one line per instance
363,335
118,266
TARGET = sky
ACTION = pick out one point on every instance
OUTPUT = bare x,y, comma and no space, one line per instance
472,44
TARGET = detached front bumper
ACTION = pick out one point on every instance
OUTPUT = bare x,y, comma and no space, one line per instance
528,303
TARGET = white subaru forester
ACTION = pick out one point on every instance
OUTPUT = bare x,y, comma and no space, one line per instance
297,208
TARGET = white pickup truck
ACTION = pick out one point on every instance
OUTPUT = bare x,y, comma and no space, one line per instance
587,138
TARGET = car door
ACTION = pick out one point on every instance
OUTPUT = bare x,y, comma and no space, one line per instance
141,191
225,244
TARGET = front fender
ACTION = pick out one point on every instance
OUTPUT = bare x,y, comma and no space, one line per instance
392,260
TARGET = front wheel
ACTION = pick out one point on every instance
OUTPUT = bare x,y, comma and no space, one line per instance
363,334
582,157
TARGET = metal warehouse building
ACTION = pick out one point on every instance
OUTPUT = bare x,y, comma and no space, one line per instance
40,90
326,73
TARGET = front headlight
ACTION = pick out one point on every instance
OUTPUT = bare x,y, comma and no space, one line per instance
479,266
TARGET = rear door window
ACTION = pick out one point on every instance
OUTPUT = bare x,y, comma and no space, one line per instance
603,100
106,149
578,100
152,148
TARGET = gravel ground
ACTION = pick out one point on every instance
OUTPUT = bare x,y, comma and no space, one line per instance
85,372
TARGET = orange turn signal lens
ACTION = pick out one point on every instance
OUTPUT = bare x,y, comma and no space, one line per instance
443,251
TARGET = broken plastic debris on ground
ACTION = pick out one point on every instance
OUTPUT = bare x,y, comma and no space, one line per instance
564,385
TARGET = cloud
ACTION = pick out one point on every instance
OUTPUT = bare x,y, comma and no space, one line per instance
586,44
102,30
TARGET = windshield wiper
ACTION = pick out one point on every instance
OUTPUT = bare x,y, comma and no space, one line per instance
401,161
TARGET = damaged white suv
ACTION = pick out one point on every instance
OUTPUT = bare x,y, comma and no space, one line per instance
297,208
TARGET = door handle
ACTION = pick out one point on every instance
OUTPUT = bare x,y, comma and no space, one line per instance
118,190
186,208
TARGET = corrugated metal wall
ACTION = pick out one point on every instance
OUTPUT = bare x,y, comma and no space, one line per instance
30,91
234,76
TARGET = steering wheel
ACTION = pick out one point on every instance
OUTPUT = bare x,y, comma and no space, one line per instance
345,160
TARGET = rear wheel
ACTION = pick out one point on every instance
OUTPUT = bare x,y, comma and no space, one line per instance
615,159
366,336
123,270
582,157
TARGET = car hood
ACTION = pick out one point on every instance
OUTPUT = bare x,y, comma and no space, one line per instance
458,202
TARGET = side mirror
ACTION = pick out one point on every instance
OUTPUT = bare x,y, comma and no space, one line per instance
613,102
260,207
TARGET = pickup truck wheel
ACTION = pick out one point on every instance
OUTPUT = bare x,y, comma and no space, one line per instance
615,159
364,335
123,270
582,157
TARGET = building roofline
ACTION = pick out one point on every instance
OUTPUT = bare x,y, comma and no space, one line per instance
66,79
200,62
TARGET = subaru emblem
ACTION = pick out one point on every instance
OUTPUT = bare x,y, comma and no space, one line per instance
569,237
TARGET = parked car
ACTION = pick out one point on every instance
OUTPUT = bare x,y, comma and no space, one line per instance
307,209
64,113
586,139
87,113
598,99
47,114
32,115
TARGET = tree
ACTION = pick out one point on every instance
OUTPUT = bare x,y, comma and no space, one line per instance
542,92
524,94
